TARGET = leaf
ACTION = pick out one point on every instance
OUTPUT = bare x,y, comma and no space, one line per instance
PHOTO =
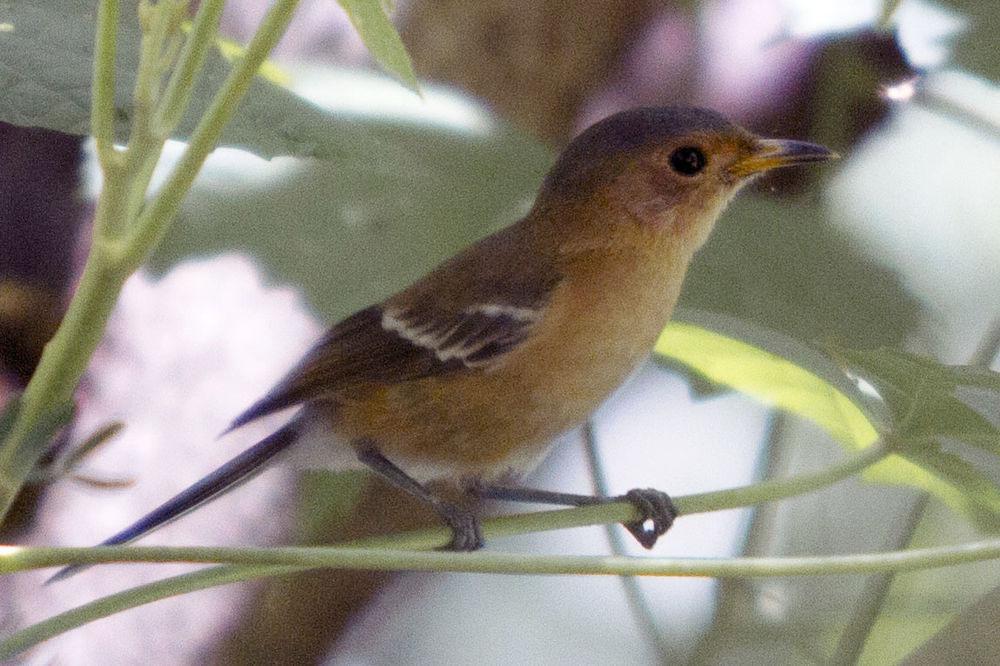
921,396
905,369
377,32
45,72
947,416
408,197
778,382
96,440
769,378
980,495
8,416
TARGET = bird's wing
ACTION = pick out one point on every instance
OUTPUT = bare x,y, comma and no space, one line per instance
476,337
464,316
388,345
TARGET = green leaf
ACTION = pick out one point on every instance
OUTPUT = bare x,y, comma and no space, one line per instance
920,394
45,72
8,416
947,416
377,32
769,378
905,370
780,383
96,440
980,495
410,196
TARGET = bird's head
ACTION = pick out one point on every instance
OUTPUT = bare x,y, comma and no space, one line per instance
665,171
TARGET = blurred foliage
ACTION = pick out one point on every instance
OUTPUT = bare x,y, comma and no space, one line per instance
53,423
928,418
781,264
45,72
8,413
921,395
721,355
353,232
326,500
920,603
976,51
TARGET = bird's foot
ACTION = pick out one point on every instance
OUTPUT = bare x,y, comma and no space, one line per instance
466,535
656,511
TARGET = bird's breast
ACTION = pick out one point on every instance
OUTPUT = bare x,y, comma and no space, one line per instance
604,322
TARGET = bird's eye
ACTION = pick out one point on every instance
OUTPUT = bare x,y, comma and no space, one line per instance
687,160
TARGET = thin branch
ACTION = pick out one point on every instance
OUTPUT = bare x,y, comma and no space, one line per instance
259,562
137,596
408,551
619,512
182,79
102,113
770,491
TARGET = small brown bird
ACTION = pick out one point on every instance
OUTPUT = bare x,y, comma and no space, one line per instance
469,374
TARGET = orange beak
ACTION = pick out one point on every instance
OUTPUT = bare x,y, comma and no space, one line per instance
774,153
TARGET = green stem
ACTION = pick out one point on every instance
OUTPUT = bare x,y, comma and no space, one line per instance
616,512
144,147
137,596
620,512
770,491
62,364
382,559
182,79
277,561
408,551
102,109
154,220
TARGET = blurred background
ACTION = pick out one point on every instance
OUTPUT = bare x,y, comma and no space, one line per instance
898,245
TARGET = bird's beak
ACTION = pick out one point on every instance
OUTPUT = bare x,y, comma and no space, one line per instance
773,153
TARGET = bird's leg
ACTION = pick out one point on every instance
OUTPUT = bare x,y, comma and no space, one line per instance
464,525
656,511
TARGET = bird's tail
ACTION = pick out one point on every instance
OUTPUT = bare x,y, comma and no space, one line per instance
241,468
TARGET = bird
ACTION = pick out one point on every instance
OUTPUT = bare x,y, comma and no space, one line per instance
469,374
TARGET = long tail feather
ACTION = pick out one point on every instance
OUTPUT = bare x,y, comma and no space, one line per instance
241,468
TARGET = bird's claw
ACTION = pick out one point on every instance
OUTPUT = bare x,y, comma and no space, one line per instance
656,514
466,535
